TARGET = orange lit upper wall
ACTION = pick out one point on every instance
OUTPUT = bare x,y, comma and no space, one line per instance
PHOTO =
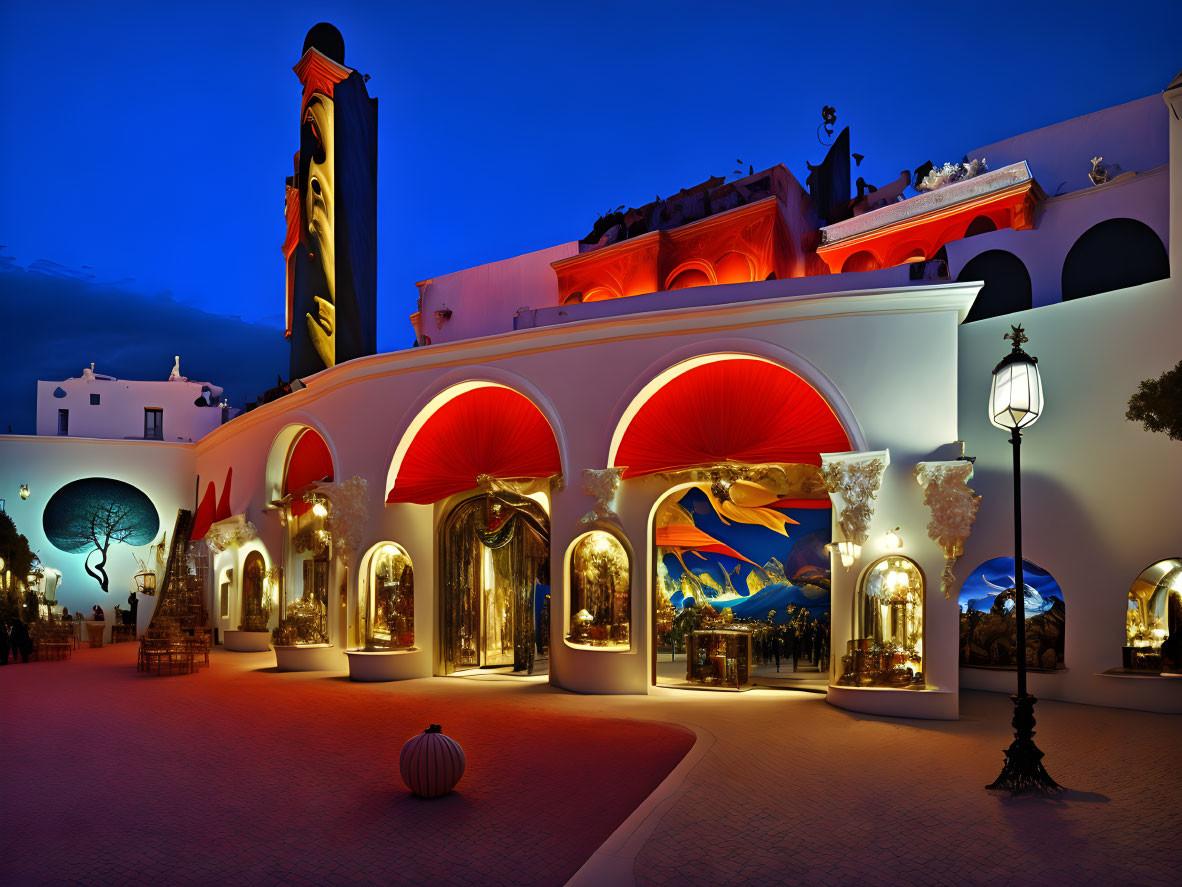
741,245
915,229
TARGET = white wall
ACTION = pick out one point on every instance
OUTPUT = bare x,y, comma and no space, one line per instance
1132,135
120,411
1061,222
484,299
1101,496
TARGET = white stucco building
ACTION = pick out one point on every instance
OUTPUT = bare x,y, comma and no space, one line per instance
94,405
684,390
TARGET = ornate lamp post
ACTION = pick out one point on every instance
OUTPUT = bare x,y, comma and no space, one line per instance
1015,402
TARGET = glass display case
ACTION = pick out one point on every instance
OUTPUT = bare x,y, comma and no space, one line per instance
719,657
600,592
1153,621
886,648
389,608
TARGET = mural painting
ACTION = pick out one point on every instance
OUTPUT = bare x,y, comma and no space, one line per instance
988,629
90,515
732,560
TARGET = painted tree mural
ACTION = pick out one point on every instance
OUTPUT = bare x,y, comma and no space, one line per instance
92,514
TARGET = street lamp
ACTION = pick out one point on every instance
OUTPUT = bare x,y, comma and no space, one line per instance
1015,402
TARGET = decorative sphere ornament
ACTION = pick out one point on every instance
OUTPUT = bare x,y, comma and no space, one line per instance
431,764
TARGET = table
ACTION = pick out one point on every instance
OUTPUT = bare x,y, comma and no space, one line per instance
122,633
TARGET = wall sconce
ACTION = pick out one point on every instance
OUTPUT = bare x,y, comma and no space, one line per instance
893,541
24,491
848,551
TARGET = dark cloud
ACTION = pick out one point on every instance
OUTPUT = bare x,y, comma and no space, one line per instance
56,320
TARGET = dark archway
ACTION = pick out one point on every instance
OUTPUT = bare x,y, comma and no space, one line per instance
980,225
1112,255
1007,284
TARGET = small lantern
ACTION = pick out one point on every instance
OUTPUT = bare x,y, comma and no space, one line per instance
24,491
1015,400
319,509
145,581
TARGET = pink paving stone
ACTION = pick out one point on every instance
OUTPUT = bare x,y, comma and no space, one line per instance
241,775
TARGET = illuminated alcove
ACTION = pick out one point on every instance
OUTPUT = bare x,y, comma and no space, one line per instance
886,645
307,540
386,599
256,609
1153,620
495,584
600,577
988,627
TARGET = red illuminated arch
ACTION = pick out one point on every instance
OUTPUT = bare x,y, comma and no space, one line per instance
734,408
484,430
861,261
308,462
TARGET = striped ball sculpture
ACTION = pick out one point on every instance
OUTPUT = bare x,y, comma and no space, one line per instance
431,764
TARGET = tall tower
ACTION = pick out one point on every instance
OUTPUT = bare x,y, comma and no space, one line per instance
332,212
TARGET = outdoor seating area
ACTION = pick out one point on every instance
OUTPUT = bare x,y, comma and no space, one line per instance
52,640
167,648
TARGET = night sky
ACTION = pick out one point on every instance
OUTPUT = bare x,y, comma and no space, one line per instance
145,144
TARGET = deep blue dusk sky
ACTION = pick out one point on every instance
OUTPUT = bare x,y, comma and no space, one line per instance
145,144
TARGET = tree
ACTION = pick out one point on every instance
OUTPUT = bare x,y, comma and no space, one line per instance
92,514
18,561
1158,403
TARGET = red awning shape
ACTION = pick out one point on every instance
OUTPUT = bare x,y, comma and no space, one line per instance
309,462
488,430
204,517
223,509
682,537
740,409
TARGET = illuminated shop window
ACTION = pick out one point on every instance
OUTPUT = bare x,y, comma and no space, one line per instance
389,607
256,615
887,645
988,627
1153,623
304,613
600,592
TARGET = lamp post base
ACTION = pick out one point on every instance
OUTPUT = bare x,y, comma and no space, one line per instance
1023,770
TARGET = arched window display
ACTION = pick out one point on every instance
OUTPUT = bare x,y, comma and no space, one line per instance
1153,623
304,618
389,607
600,592
988,627
256,610
886,649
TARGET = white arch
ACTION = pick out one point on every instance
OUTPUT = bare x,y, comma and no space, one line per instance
280,451
452,385
684,359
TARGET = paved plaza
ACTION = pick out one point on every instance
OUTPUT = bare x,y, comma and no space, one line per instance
243,775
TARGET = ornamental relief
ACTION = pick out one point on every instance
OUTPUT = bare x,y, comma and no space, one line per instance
853,482
954,510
